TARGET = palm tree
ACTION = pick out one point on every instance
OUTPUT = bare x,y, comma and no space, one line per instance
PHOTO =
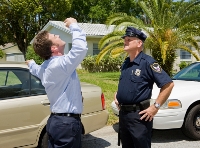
173,26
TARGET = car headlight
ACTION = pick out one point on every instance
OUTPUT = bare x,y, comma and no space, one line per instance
170,104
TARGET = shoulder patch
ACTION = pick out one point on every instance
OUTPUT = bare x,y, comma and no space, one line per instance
156,67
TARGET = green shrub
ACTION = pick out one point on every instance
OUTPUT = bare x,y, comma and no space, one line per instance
183,64
1,54
107,64
30,54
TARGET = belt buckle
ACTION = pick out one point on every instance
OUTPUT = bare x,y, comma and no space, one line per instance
121,107
128,108
68,114
133,107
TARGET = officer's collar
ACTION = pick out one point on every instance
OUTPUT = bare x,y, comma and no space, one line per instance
137,58
127,60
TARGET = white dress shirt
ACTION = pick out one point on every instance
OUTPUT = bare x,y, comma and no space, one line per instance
58,75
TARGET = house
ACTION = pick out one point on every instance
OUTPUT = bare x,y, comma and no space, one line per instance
94,32
184,56
12,53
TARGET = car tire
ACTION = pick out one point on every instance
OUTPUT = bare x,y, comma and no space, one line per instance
191,126
43,141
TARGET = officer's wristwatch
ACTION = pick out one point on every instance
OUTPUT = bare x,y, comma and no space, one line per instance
157,105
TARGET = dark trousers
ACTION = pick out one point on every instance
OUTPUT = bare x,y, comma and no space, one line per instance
64,132
134,133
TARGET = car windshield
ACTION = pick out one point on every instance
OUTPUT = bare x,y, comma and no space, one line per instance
190,73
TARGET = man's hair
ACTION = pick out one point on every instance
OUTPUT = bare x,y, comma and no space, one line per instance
42,45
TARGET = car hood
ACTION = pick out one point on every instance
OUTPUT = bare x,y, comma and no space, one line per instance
181,88
91,98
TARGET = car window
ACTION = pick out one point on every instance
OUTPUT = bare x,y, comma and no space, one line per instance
18,83
11,80
190,73
36,86
10,84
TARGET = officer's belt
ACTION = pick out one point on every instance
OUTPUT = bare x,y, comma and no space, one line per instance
133,107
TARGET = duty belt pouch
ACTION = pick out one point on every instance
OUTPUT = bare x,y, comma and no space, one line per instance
145,104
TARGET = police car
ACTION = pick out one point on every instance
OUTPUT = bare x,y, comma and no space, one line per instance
182,109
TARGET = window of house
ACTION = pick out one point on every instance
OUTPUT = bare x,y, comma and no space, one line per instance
10,57
19,57
95,49
184,55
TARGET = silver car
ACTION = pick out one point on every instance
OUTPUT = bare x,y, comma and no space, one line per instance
24,108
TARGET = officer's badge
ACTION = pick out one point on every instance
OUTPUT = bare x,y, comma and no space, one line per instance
137,72
156,67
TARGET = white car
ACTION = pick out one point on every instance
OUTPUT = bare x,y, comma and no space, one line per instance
182,109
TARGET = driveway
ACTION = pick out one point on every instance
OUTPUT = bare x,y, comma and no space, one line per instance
107,138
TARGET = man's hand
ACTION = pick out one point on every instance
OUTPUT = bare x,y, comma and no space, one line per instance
148,113
116,101
69,21
27,61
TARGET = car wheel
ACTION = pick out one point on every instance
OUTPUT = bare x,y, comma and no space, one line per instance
191,126
43,141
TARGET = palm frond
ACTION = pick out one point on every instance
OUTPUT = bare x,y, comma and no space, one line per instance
130,21
115,18
147,9
114,36
182,12
173,27
193,42
117,51
163,47
108,49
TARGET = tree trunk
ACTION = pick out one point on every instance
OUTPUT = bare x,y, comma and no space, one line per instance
167,66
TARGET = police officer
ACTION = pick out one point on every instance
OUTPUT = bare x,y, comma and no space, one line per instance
138,74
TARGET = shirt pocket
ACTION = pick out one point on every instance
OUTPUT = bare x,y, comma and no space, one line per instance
134,85
136,82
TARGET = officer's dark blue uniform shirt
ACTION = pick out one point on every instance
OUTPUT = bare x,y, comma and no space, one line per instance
137,79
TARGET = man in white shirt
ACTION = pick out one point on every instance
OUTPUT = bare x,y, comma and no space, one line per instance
58,75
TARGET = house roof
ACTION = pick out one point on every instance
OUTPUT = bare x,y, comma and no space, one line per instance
90,29
8,45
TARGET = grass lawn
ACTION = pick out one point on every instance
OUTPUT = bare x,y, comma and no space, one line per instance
108,81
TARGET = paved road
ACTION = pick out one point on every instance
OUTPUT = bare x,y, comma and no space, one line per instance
107,138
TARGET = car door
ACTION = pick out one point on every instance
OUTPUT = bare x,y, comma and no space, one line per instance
22,113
